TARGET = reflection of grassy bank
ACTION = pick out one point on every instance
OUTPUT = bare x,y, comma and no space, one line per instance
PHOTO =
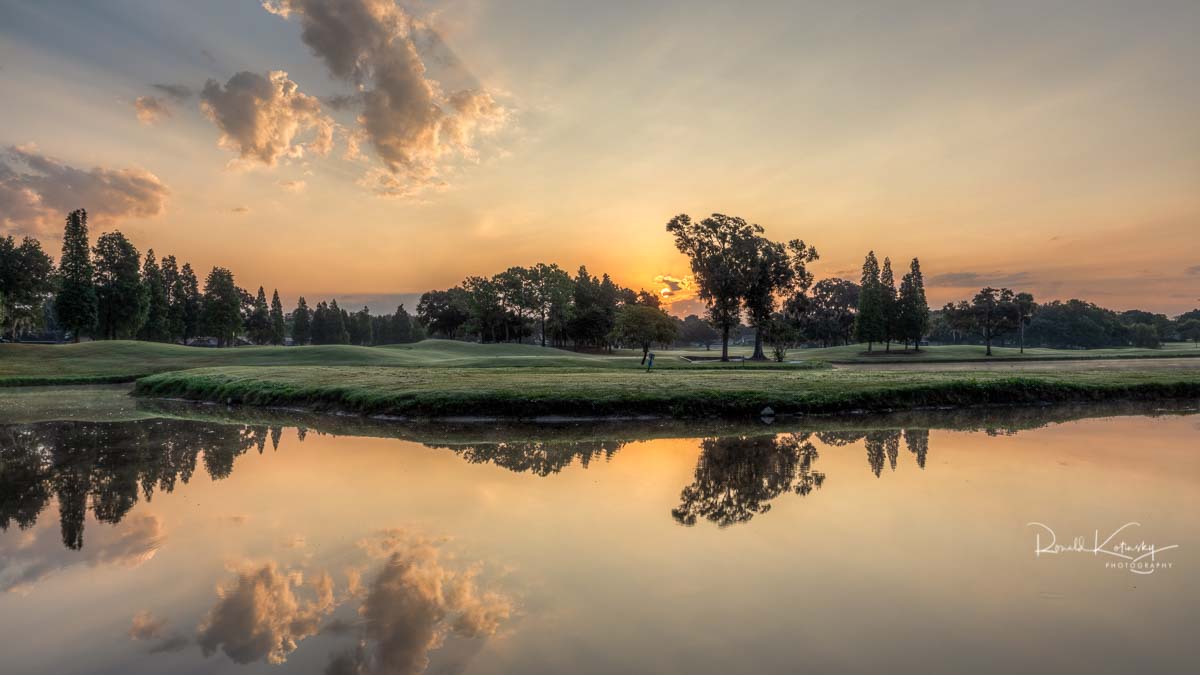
531,393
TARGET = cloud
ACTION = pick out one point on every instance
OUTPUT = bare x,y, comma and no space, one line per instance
176,92
675,289
293,185
410,122
259,615
240,209
37,192
260,117
151,109
977,280
129,543
1194,269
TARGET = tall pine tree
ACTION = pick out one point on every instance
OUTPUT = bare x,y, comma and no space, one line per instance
155,328
912,308
301,323
868,324
122,300
76,304
278,328
887,296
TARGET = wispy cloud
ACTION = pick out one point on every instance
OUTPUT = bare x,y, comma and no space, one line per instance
978,279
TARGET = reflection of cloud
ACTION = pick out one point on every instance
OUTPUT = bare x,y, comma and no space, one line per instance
146,626
259,615
151,109
260,117
408,119
975,279
413,604
36,191
40,552
177,92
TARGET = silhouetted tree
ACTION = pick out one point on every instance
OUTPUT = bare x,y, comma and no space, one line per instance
278,326
643,326
912,310
155,328
222,312
444,312
891,313
722,250
258,320
122,300
76,304
187,294
870,322
1025,307
301,323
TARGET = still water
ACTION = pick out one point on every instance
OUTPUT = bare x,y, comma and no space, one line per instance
204,540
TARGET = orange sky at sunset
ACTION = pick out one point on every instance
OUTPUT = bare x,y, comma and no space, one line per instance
382,149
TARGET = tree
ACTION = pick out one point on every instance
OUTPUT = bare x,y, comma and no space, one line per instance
187,294
444,312
829,315
222,306
122,300
155,327
723,250
550,287
278,327
171,280
869,326
777,270
912,310
991,313
335,328
26,283
76,303
1144,335
258,319
301,323
643,326
695,330
782,335
1025,307
889,303
1189,329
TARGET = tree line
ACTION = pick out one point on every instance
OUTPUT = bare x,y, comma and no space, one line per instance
110,291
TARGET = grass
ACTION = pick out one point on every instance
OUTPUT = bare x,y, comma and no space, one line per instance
543,392
126,361
857,353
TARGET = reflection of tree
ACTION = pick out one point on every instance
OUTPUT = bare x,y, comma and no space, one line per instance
737,477
539,457
917,441
108,463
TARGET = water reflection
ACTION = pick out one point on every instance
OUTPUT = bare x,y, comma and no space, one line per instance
108,465
565,549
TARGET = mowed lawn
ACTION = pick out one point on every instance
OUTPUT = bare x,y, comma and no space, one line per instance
529,392
124,361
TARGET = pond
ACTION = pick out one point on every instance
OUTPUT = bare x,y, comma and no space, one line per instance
155,537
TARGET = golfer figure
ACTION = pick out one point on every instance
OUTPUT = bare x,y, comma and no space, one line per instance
649,361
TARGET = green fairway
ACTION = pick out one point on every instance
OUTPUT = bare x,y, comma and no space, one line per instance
125,361
522,392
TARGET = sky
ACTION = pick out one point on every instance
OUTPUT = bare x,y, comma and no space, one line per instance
370,149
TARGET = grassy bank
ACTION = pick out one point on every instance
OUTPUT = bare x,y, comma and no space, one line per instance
528,393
